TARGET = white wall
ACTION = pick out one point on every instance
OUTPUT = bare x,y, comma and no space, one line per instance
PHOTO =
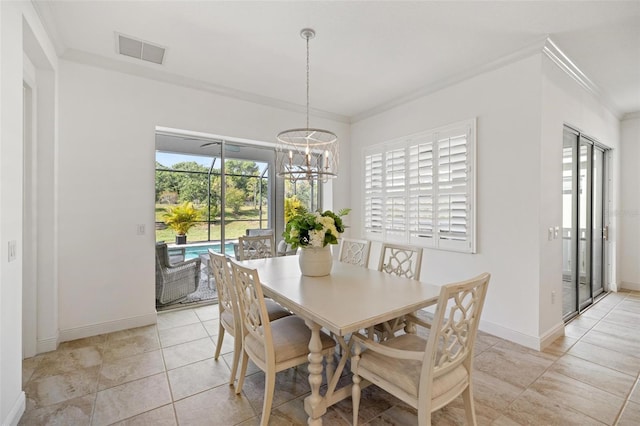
629,217
106,184
11,395
506,103
521,109
20,33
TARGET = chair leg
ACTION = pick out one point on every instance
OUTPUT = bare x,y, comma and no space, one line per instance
467,397
237,349
355,398
330,367
220,339
424,416
243,372
269,387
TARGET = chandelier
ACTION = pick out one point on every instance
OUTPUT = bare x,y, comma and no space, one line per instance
307,153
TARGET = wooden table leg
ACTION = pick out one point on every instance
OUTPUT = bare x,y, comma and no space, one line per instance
314,404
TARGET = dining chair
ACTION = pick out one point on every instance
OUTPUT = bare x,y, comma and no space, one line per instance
354,252
402,261
273,346
427,373
228,308
256,247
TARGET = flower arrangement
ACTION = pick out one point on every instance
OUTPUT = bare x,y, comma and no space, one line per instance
314,229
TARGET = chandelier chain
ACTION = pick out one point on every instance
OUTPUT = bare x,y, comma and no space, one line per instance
307,37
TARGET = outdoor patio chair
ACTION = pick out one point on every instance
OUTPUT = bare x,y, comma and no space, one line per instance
174,280
273,346
427,374
228,309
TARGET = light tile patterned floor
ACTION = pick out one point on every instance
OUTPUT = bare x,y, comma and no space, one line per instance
165,375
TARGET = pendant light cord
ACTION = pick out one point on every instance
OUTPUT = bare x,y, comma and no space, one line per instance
307,37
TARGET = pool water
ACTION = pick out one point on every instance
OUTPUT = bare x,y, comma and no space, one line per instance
192,252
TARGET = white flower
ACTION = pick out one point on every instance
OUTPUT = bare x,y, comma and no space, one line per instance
316,238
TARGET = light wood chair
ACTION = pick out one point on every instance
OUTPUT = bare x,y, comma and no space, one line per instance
256,247
354,252
427,373
228,309
402,261
272,345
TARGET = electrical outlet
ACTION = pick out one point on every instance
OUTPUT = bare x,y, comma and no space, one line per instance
141,229
12,251
556,232
553,297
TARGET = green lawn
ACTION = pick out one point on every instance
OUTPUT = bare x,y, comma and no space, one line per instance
236,225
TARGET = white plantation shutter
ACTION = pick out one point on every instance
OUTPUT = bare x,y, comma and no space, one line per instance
420,215
395,217
421,189
373,208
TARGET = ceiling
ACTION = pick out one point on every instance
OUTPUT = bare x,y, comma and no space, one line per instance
366,55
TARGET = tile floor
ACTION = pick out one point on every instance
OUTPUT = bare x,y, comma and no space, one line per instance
165,375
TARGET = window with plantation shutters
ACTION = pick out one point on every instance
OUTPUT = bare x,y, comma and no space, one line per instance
420,189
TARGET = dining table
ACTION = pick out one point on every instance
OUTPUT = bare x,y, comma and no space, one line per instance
349,299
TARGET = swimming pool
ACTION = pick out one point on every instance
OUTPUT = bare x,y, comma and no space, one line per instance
194,251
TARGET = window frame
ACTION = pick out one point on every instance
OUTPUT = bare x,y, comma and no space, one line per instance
410,171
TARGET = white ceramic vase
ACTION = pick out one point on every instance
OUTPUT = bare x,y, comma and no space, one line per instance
315,262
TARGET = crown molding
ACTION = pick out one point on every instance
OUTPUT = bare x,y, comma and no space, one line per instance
44,10
558,57
631,115
149,72
545,45
526,51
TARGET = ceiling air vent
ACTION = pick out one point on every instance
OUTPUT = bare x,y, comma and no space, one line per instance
139,49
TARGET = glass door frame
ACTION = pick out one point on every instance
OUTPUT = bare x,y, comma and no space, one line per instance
581,235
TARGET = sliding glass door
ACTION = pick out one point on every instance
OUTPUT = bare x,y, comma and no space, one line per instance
229,184
584,225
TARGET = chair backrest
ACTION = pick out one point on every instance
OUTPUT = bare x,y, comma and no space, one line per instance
227,300
253,311
162,255
401,260
284,249
252,232
454,328
355,252
256,247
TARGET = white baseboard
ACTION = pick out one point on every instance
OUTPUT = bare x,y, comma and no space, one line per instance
16,411
550,336
533,342
630,286
47,345
107,327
